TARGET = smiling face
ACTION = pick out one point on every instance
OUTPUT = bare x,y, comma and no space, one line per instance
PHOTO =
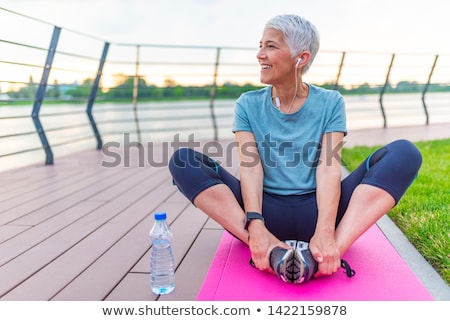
274,57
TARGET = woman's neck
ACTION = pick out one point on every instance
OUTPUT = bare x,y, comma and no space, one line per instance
286,99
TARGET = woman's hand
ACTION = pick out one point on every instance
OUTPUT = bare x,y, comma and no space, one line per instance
261,242
323,245
325,251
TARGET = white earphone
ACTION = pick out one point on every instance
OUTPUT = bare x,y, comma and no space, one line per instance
298,62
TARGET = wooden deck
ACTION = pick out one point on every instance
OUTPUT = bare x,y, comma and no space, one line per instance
79,231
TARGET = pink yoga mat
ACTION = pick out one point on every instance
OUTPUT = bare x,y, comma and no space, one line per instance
381,275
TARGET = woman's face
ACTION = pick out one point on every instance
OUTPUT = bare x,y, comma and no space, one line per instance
274,57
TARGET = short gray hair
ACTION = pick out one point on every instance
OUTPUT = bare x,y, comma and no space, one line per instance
299,34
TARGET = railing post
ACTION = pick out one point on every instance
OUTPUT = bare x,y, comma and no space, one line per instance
136,94
425,89
93,95
40,94
386,83
212,95
336,84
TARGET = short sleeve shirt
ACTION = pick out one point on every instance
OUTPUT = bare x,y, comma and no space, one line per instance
289,144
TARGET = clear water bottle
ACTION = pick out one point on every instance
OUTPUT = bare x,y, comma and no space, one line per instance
162,278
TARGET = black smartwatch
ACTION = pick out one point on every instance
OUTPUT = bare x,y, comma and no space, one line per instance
252,216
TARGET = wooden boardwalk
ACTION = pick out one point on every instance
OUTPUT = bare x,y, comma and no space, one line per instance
79,230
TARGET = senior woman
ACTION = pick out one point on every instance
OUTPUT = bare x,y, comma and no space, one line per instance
289,204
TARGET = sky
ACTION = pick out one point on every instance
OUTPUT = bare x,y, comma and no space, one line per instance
381,25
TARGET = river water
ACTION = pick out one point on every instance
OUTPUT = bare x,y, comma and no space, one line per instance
162,121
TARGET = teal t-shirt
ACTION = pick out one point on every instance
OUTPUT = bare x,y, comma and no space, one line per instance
289,144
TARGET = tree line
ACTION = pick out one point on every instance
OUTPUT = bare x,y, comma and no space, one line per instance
171,90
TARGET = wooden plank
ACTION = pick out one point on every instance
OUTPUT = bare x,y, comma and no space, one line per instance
47,206
17,178
134,287
57,261
9,231
191,273
18,270
66,224
188,279
110,268
35,186
30,179
82,231
80,171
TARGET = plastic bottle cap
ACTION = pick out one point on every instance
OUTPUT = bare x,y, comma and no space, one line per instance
160,216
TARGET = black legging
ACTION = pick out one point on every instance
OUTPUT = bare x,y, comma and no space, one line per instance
392,168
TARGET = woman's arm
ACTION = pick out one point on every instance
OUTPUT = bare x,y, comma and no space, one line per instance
250,171
260,240
328,176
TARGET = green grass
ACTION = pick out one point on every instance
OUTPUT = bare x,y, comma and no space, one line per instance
423,214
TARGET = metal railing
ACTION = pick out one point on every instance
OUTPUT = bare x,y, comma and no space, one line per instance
90,89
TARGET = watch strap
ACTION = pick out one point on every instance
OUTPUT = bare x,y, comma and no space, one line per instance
252,216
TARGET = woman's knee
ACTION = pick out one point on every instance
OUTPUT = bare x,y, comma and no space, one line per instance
407,153
181,159
190,166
